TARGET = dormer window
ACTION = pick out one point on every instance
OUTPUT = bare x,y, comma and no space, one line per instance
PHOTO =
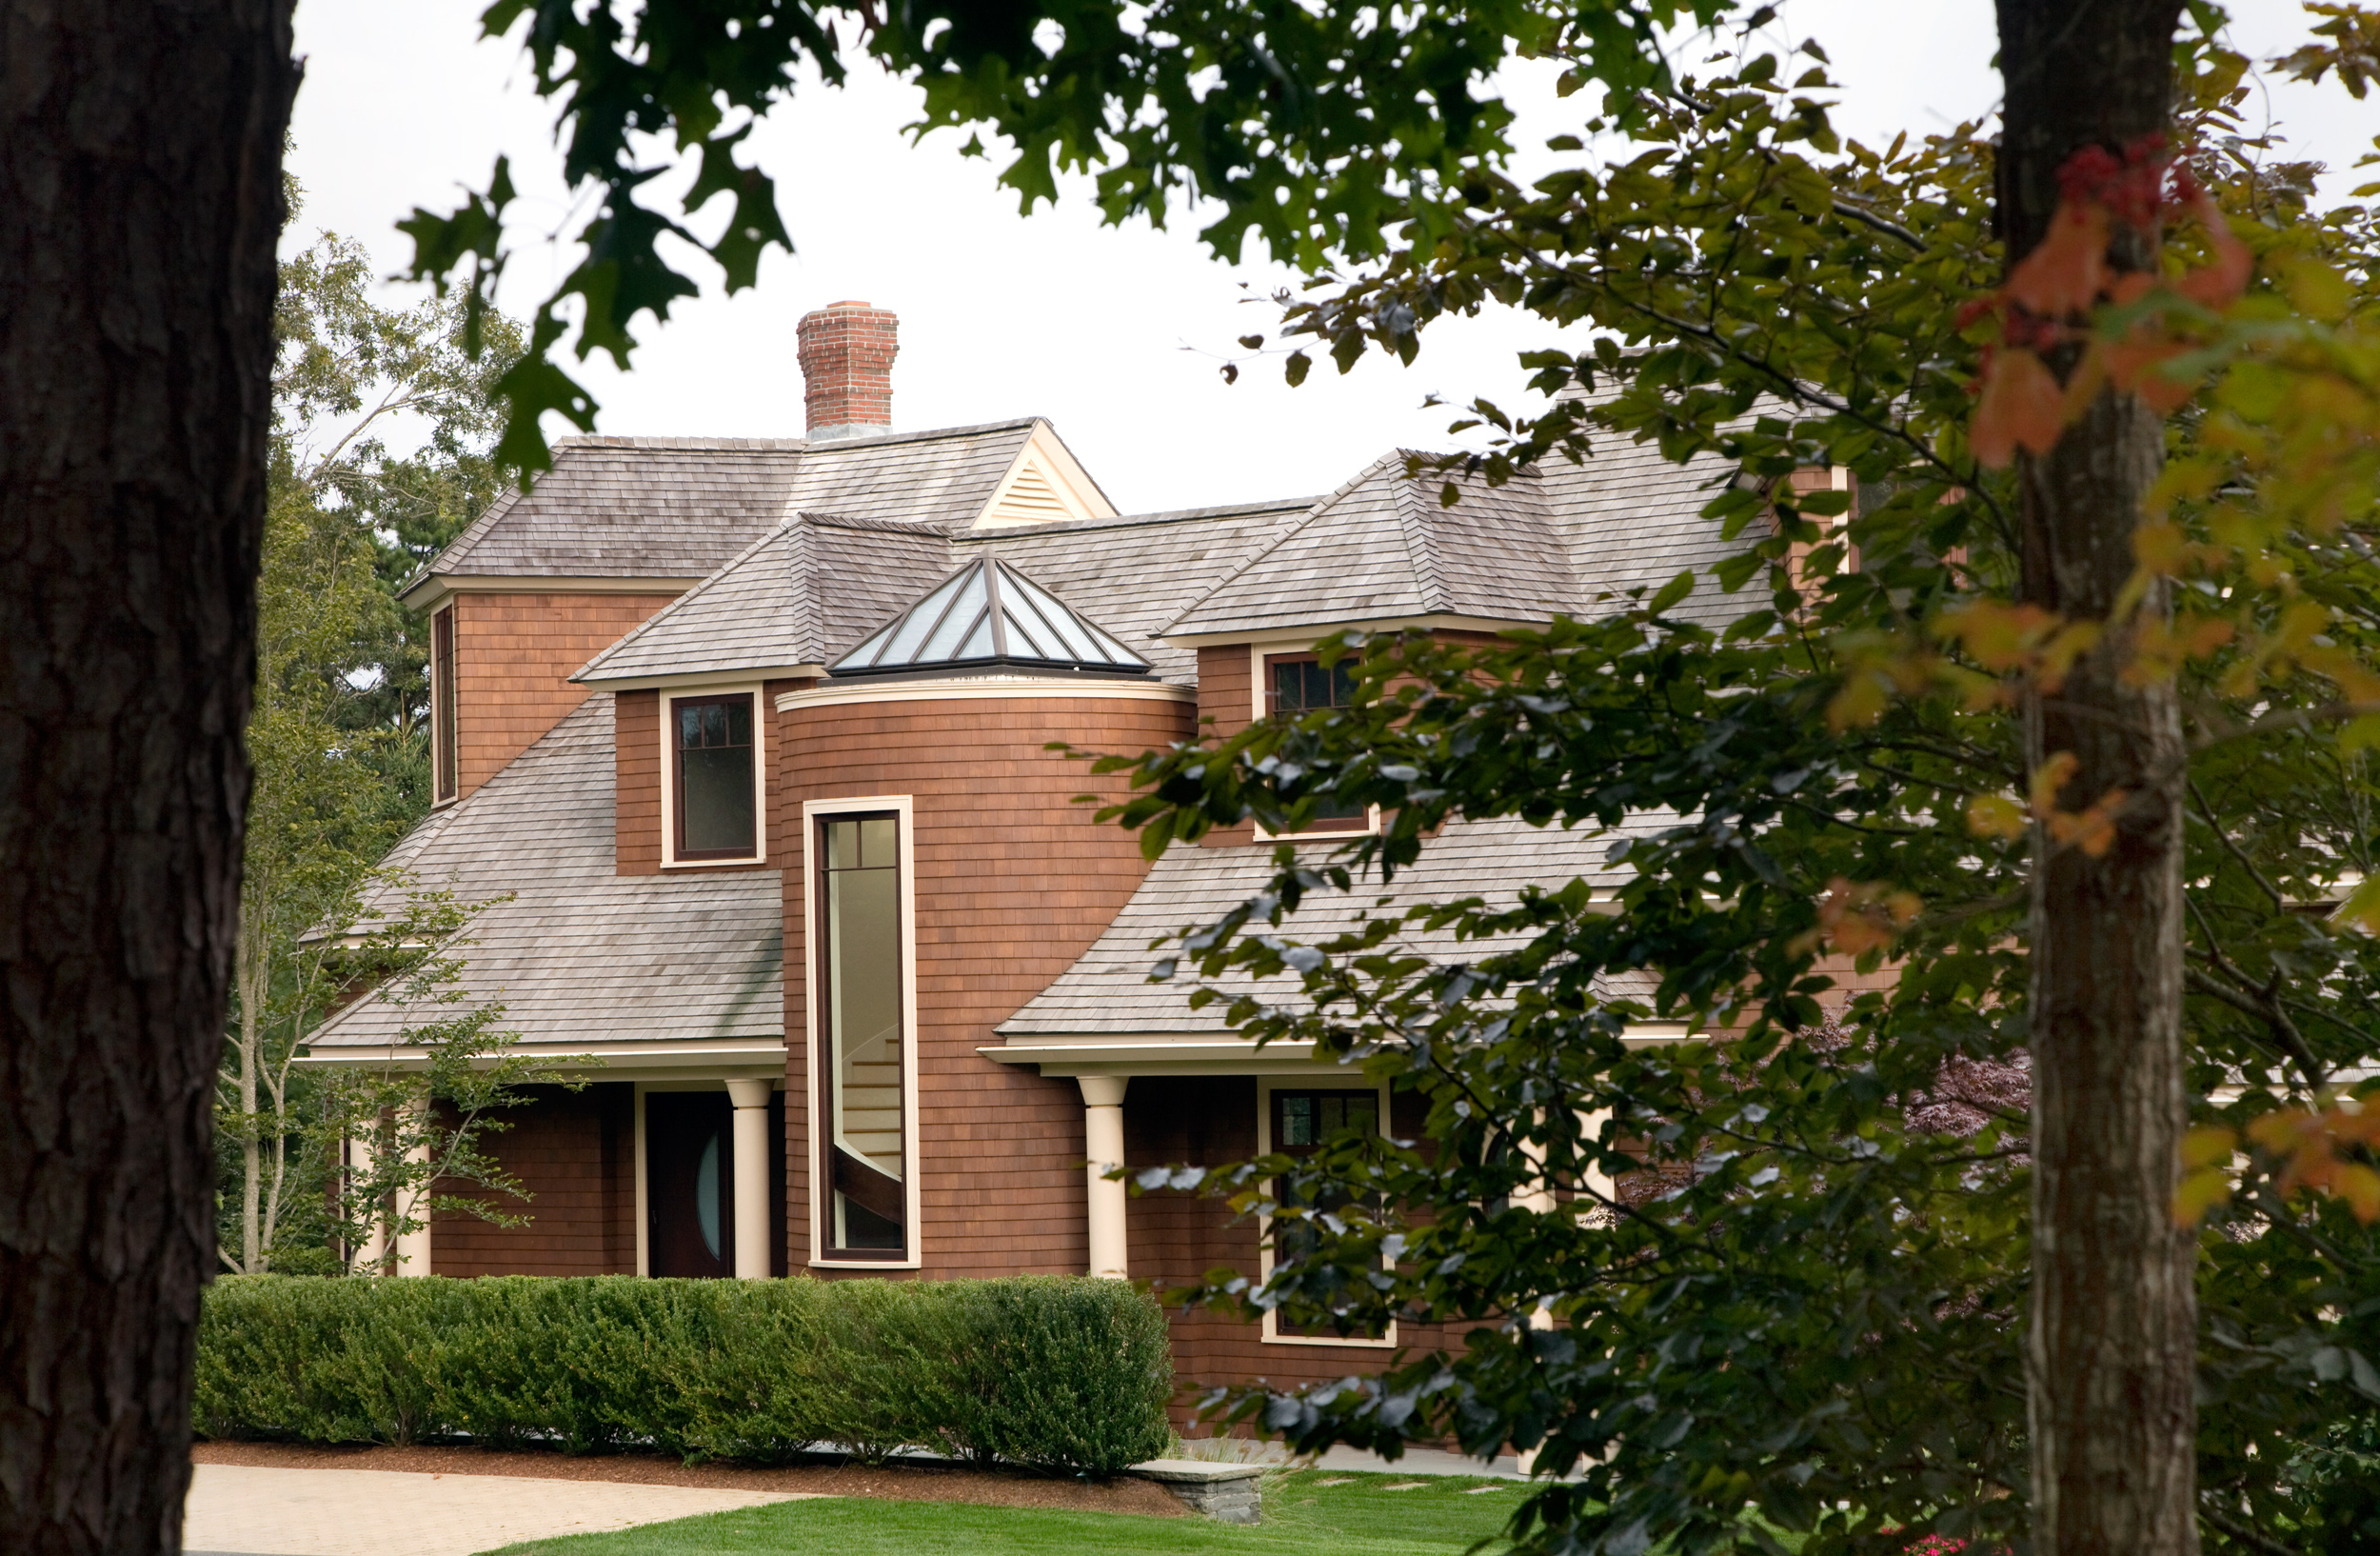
714,779
1300,682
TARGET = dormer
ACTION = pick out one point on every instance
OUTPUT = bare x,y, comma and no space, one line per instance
1383,554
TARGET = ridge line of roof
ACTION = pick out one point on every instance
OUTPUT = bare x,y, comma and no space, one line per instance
1172,515
639,630
854,521
610,440
1421,537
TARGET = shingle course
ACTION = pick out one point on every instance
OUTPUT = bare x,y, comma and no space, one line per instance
1385,545
581,954
1107,991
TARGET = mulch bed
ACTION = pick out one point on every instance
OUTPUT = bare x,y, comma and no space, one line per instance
899,1482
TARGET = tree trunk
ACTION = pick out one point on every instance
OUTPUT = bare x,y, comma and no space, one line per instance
2111,1352
140,201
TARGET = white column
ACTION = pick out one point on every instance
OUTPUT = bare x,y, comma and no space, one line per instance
1103,1143
413,1247
751,1177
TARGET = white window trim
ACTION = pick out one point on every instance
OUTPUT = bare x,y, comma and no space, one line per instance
906,808
1265,1086
669,729
1258,712
454,622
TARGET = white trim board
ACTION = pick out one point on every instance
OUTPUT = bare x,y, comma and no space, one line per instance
1265,1086
971,688
668,775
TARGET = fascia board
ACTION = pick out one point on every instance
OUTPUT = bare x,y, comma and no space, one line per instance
433,589
706,1057
737,673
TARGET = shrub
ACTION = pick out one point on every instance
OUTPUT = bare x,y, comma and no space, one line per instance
1062,1372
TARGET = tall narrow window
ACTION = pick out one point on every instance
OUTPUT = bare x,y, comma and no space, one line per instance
1296,684
865,1168
1302,1122
714,797
442,703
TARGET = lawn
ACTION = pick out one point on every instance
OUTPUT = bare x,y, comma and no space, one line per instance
1304,1514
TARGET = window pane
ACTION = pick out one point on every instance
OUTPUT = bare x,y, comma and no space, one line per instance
441,710
740,723
715,800
864,1160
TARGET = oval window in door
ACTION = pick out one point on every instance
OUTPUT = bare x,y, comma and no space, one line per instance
707,1196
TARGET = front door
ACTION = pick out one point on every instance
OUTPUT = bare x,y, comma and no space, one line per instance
689,1184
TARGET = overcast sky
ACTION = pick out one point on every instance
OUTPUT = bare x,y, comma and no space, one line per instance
1113,335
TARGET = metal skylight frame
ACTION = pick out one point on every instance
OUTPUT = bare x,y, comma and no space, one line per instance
988,615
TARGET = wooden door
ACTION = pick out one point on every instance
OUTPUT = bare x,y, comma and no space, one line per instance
689,1184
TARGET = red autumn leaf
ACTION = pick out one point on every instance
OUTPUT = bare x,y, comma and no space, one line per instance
2020,407
2065,274
2133,366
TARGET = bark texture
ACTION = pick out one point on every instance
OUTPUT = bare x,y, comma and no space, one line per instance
2111,1352
140,201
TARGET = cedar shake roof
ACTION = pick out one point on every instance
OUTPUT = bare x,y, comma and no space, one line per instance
1630,518
685,507
1107,992
1383,545
800,595
582,955
1134,575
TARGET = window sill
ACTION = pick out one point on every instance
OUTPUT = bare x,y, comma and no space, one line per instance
744,863
1387,1341
912,1263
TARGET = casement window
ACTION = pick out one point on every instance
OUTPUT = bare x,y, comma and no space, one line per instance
442,764
714,779
863,1059
1297,1121
1298,683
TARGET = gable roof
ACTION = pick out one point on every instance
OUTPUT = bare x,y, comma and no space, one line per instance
685,507
1384,547
988,613
581,954
796,598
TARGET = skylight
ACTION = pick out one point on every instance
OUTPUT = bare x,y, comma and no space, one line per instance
985,615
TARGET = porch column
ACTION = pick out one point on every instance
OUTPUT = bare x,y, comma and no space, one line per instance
413,1247
1103,1143
750,1098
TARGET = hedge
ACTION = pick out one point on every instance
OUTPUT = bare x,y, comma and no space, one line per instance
1067,1374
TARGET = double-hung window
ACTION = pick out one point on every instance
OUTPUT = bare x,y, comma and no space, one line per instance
1300,682
863,1167
714,778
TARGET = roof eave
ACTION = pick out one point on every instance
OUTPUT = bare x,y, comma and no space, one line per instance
712,676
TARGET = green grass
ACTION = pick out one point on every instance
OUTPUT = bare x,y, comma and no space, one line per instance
1444,1516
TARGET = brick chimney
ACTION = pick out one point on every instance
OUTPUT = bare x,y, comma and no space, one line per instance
847,354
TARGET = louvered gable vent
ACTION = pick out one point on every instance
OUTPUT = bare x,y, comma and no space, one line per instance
985,616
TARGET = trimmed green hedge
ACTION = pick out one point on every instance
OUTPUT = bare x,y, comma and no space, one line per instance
1065,1372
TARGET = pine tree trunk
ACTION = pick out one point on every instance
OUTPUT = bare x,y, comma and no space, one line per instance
140,201
2112,1352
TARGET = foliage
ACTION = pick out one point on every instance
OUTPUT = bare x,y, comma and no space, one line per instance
1813,1304
1818,1313
1065,1373
409,1122
1315,127
336,739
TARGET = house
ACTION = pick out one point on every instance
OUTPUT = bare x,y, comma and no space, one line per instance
753,737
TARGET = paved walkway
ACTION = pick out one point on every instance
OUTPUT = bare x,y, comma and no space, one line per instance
234,1511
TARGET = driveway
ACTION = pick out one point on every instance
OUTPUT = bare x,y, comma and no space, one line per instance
235,1511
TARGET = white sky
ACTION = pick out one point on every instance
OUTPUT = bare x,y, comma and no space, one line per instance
1113,335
